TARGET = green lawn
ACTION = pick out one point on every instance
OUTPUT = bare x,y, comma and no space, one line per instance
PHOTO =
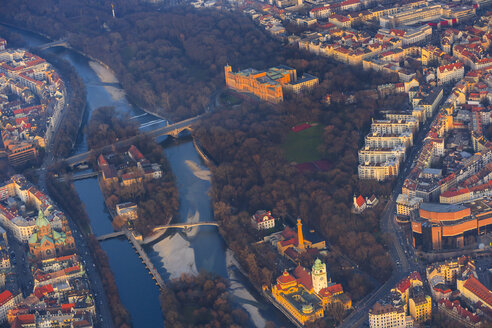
301,147
229,99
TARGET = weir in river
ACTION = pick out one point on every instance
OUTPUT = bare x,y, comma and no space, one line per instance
201,249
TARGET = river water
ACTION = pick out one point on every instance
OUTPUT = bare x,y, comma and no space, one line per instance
202,248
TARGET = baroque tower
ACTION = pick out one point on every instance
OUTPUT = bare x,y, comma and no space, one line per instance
319,276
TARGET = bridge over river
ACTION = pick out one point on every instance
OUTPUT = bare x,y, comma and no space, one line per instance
58,43
172,129
184,226
141,252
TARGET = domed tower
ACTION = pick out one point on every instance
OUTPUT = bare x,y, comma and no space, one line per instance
43,226
319,277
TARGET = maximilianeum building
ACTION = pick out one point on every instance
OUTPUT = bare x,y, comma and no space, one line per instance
269,84
441,226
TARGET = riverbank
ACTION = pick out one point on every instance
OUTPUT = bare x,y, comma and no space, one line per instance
96,60
206,249
65,195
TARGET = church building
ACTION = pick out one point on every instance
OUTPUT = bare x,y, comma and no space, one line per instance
47,242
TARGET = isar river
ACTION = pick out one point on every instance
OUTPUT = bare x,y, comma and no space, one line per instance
202,248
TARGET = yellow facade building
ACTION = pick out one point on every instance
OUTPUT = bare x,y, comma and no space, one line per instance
266,84
420,308
269,84
302,304
306,295
405,205
305,83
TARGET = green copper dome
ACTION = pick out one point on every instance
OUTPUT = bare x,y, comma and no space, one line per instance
318,265
41,220
33,239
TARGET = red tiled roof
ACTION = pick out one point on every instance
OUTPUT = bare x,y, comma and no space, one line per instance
72,269
404,284
451,67
26,318
360,201
349,2
260,217
292,252
67,307
42,291
27,109
135,153
397,32
5,296
288,233
320,8
453,193
476,287
291,241
285,278
339,18
303,277
464,313
101,160
331,290
442,290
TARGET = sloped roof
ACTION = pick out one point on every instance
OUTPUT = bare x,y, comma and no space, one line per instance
360,201
331,290
303,277
285,278
476,287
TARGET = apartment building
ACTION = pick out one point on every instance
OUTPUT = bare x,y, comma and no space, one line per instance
378,171
378,140
381,155
420,308
387,316
412,16
406,204
450,73
394,127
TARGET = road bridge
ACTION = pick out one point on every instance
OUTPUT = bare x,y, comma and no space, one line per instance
171,129
76,177
58,43
82,176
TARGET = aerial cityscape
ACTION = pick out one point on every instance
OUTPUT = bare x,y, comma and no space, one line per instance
246,163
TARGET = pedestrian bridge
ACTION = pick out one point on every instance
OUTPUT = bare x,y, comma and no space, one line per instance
110,235
58,43
186,225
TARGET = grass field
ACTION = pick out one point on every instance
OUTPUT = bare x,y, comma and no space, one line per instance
229,99
301,147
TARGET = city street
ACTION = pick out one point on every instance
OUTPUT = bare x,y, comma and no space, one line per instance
402,254
18,261
104,318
